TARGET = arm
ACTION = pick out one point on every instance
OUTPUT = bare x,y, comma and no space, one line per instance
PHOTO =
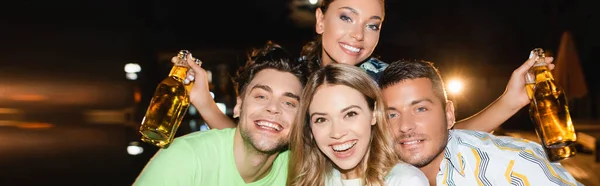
514,98
176,165
201,99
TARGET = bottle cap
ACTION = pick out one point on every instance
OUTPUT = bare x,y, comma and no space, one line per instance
181,58
538,55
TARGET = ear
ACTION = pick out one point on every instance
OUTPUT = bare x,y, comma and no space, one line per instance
319,25
450,118
374,119
236,109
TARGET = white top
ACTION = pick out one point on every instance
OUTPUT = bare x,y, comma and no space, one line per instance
480,158
401,174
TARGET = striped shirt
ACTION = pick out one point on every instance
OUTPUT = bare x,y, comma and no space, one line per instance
479,158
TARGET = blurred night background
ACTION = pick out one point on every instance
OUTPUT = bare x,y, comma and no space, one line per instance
68,113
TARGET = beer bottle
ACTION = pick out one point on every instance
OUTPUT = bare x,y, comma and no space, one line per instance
554,154
168,105
550,108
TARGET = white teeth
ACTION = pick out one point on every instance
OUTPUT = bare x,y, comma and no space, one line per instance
345,146
411,142
351,48
270,125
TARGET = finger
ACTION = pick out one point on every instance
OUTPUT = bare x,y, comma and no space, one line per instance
551,66
191,75
189,58
174,59
524,67
549,60
191,72
195,67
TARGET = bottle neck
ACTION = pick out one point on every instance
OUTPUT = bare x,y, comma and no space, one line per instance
542,73
179,72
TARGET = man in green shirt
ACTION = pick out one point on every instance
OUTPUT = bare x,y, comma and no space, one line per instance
253,153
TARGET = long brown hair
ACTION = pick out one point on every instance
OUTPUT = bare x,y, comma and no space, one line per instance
307,164
311,51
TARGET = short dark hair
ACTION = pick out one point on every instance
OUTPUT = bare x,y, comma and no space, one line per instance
402,70
271,56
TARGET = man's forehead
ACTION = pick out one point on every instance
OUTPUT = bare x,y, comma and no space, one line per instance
410,90
277,81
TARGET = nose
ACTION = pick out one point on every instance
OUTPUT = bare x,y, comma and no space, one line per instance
358,33
407,124
273,107
337,131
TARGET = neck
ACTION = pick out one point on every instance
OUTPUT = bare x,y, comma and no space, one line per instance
326,58
350,174
251,164
431,170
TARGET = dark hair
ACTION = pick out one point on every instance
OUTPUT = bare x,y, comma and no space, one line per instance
402,70
271,56
311,51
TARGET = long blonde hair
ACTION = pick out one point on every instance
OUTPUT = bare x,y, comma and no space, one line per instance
307,164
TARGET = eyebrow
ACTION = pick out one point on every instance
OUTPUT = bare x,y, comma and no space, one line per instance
343,110
356,12
264,87
350,107
421,100
268,89
292,95
411,103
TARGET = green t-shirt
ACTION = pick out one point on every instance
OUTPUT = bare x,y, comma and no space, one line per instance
204,158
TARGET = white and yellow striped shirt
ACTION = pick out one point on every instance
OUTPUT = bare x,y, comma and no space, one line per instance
482,159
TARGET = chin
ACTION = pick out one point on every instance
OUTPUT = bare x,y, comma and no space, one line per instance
268,145
417,160
345,166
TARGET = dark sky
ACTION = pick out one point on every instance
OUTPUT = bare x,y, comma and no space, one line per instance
50,35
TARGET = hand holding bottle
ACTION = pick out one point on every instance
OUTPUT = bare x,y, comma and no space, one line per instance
201,98
515,95
200,91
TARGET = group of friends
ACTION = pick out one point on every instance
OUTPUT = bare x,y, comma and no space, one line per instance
338,116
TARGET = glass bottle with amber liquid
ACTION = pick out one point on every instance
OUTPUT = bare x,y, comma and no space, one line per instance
553,154
168,105
550,106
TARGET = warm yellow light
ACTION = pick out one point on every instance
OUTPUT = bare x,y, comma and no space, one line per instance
455,86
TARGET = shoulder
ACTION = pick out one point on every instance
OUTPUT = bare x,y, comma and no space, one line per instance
406,174
200,141
202,136
484,140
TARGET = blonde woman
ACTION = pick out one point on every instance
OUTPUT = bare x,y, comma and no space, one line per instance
341,134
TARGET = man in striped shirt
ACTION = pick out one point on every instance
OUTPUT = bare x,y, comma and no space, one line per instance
422,119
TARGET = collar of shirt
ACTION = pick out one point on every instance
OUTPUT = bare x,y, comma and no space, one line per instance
451,155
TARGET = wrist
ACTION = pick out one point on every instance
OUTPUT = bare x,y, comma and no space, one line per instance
201,100
511,103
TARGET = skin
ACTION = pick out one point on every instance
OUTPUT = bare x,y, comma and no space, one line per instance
420,124
266,110
350,30
342,121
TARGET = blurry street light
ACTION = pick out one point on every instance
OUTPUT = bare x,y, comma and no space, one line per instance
313,2
134,148
455,86
131,70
